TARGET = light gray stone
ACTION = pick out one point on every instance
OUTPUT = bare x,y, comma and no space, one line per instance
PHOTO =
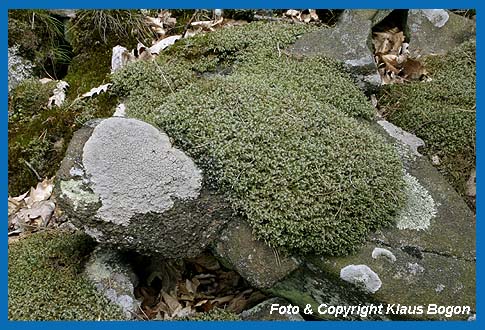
124,184
113,277
437,31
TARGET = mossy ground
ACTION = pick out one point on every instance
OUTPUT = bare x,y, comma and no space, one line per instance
442,112
286,139
45,280
38,135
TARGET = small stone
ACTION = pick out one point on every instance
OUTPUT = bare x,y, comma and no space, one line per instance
362,276
380,252
113,278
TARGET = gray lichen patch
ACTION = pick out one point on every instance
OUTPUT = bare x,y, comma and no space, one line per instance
380,252
75,191
362,276
415,268
134,169
420,207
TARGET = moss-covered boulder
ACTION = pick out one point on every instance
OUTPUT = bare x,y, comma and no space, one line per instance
441,112
286,140
45,281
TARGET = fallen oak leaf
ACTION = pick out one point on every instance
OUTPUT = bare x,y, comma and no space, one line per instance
59,94
43,210
41,192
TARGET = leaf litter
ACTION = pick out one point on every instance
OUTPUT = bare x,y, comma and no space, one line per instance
32,210
393,59
178,289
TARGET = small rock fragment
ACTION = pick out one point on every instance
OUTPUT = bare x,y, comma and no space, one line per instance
380,252
362,276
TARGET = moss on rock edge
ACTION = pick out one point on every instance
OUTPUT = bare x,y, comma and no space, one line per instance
276,134
442,112
45,280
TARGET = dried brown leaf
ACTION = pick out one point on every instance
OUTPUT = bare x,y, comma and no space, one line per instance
172,302
42,192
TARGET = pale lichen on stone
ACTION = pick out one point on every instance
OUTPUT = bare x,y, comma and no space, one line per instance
415,268
420,207
380,252
438,17
125,158
362,276
75,191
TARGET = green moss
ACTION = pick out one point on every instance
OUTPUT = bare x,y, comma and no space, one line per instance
88,70
45,280
275,134
29,98
307,177
40,38
441,112
39,136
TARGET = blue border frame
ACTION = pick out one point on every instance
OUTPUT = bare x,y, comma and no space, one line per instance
96,4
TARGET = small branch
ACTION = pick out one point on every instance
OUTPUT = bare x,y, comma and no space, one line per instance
189,22
163,76
33,170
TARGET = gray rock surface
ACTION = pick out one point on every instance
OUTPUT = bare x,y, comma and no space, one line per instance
123,183
19,68
349,42
114,278
437,31
255,261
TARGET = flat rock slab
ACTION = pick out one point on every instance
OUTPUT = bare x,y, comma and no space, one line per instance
255,261
123,183
427,258
437,31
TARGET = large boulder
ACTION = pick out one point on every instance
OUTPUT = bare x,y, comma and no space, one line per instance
123,183
437,31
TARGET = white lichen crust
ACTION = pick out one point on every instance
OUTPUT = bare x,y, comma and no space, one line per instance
420,207
380,252
134,169
362,276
